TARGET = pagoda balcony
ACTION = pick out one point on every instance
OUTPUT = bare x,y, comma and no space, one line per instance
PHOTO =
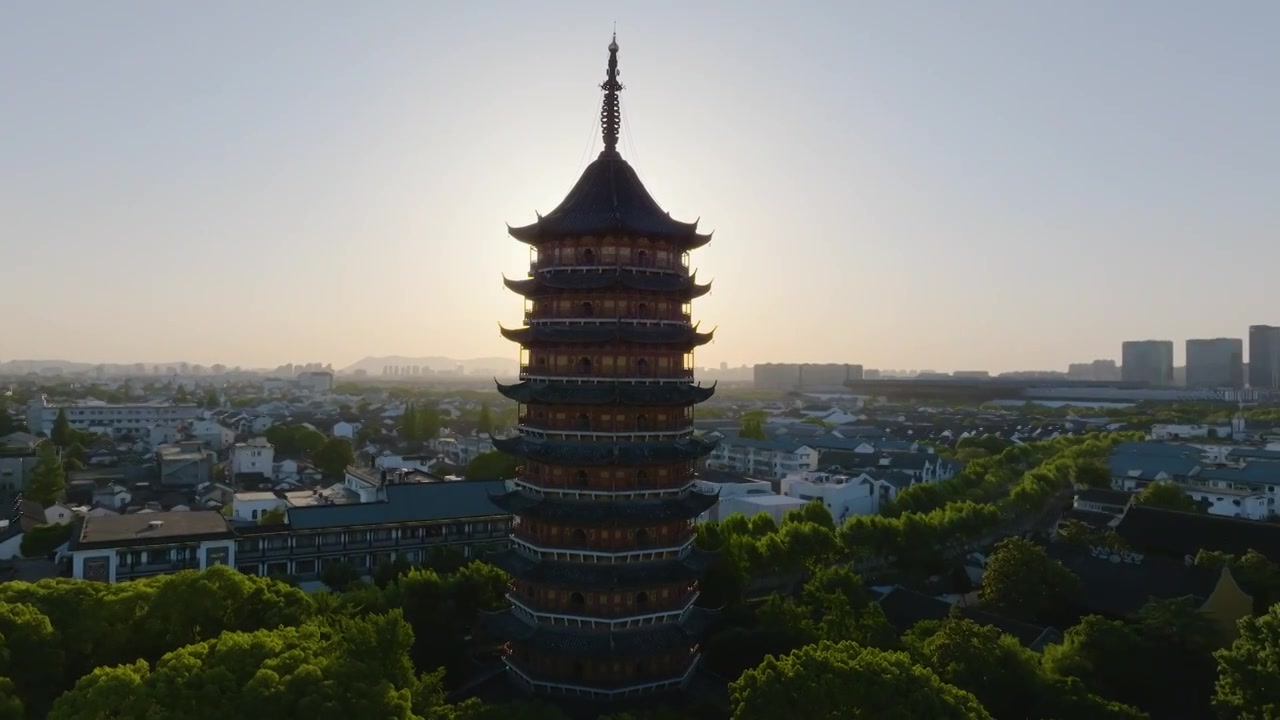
674,265
647,491
604,557
675,612
555,688
649,421
532,317
603,436
573,375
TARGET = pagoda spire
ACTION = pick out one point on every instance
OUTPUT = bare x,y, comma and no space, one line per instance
610,112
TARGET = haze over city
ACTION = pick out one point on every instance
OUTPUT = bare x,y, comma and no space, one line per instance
992,186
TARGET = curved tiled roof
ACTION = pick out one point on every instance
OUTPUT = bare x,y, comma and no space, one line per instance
605,514
606,393
619,332
609,199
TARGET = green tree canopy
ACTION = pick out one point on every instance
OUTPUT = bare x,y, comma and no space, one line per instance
1249,671
334,457
44,539
48,480
409,424
32,657
211,401
485,423
294,439
838,681
62,434
7,424
1166,495
1021,581
493,465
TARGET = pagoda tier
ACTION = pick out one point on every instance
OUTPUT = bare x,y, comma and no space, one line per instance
603,513
602,453
601,576
553,282
604,572
616,393
609,331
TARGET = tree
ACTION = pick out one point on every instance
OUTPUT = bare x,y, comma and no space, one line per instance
334,456
752,427
33,658
1249,671
61,435
1256,574
1168,496
7,425
75,453
1093,473
1023,582
835,681
492,465
181,396
428,422
274,516
48,481
334,668
294,439
11,707
485,424
211,401
814,512
409,424
339,576
44,539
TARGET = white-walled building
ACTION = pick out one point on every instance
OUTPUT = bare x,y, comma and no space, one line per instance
843,495
776,506
127,547
769,459
254,456
1166,431
320,381
420,463
213,434
112,418
727,487
346,429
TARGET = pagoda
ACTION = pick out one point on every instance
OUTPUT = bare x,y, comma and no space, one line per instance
605,573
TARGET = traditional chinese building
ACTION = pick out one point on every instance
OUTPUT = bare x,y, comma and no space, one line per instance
605,572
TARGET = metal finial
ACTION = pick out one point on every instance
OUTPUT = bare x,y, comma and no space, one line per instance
610,113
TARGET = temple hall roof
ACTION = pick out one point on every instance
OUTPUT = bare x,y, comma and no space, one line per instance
621,331
550,393
600,575
606,514
599,453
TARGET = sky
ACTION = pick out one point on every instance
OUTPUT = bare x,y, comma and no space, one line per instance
902,184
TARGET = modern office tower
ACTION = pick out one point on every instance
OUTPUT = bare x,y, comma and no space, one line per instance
1148,361
1215,363
1264,357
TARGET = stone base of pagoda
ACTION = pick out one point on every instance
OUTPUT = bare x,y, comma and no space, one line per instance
530,682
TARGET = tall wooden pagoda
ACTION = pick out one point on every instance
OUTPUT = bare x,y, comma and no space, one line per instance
605,572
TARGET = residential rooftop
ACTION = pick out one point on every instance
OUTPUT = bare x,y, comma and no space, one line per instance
150,528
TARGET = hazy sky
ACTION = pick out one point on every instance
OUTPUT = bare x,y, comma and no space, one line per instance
903,184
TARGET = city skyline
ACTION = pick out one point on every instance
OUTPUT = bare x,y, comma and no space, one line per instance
988,187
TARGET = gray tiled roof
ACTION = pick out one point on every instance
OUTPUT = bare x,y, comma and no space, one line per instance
417,502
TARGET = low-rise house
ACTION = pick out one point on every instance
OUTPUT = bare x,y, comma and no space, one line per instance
844,495
255,457
19,453
728,487
903,608
127,547
186,464
770,459
344,429
1112,502
213,434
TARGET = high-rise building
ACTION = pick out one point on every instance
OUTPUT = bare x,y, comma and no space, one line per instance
1148,361
604,571
1264,357
1215,363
